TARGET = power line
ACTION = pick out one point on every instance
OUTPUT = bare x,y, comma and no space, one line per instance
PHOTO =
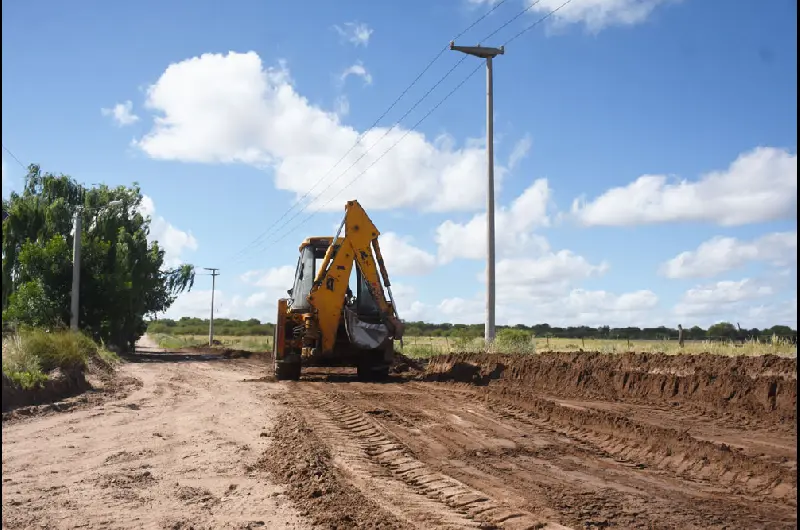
539,21
409,131
363,135
7,150
366,152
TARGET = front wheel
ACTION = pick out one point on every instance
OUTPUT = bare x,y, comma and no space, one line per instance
287,371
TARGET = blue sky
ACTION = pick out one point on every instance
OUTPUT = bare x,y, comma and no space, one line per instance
645,150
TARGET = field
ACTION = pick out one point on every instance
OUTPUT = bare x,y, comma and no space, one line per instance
469,440
423,347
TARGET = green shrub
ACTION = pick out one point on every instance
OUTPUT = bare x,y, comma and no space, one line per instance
21,365
59,349
30,354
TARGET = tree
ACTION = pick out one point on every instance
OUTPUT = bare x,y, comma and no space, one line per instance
123,277
723,329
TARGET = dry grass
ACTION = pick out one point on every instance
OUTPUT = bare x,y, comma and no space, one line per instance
426,346
429,346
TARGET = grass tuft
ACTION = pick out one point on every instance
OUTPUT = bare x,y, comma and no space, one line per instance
28,356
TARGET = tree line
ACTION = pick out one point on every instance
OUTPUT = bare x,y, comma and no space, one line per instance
123,278
722,330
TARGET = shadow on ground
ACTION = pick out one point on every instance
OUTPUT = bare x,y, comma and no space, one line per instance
142,355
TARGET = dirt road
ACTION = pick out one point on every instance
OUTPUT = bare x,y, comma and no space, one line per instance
179,452
546,443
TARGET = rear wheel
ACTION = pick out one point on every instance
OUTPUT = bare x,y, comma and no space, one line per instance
284,370
372,372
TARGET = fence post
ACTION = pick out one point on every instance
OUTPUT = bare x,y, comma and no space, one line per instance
583,343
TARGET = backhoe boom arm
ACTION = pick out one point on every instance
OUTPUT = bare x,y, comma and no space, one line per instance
359,245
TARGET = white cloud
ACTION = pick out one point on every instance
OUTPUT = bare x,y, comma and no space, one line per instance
274,278
760,185
599,14
722,254
228,108
357,70
356,33
768,315
513,227
724,297
342,106
520,151
172,240
197,303
404,259
574,307
551,274
122,113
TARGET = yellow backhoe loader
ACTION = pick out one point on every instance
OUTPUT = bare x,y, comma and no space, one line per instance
323,323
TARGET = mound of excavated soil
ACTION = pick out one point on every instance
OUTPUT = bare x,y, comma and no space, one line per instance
763,387
59,385
299,459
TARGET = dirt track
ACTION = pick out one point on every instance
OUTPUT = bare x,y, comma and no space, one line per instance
550,442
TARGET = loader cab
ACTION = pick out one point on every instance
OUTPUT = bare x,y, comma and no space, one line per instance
312,254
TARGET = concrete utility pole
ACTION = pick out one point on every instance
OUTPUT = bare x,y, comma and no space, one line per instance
76,270
488,54
214,275
76,264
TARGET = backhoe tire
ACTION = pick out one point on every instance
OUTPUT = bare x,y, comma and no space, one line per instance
287,371
372,372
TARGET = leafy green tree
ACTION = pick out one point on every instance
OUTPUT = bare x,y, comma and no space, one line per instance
123,277
723,329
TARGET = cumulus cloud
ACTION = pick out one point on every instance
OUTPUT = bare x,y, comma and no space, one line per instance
122,113
197,303
551,274
342,106
760,185
574,307
274,278
229,108
722,254
520,151
356,33
721,298
171,239
513,226
403,258
357,70
598,14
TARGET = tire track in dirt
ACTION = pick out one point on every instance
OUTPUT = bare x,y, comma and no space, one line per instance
454,503
587,470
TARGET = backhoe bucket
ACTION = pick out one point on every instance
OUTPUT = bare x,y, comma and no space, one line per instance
362,334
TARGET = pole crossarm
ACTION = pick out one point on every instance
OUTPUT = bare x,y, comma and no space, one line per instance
478,51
